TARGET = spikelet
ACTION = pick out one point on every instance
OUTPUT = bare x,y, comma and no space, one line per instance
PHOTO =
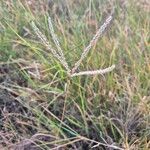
98,34
94,72
49,47
56,41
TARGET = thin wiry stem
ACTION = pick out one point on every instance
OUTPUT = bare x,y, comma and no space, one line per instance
94,72
56,41
46,43
98,34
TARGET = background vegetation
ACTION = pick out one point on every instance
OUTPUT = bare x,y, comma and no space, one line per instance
41,108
